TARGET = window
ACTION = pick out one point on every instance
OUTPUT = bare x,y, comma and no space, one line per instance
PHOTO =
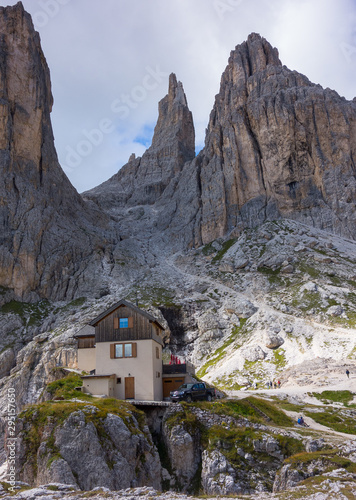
128,350
119,351
124,322
158,374
157,352
118,380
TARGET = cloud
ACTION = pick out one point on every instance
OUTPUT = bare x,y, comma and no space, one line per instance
101,53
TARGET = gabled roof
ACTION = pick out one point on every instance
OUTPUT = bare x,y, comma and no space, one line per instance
86,331
103,315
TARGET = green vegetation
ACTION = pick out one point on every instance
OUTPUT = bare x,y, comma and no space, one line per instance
74,303
157,296
277,416
249,408
306,268
65,388
278,358
228,244
30,314
344,397
208,249
336,419
327,457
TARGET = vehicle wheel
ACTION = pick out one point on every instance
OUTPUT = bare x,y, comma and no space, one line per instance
208,398
188,398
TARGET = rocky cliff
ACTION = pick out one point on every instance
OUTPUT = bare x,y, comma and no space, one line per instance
277,146
49,235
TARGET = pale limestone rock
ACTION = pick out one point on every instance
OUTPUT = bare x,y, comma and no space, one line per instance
241,307
252,353
335,310
7,362
218,476
183,453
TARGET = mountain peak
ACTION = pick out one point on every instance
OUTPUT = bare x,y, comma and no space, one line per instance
175,121
254,55
176,93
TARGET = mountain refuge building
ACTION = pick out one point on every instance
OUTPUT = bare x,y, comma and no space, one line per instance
122,350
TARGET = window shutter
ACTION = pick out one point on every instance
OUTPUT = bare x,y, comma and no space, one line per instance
116,323
134,350
112,351
130,322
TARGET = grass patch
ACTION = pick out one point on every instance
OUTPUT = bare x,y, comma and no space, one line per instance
30,314
277,416
335,419
344,397
327,457
228,244
65,388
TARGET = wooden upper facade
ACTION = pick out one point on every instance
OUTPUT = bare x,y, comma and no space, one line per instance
124,321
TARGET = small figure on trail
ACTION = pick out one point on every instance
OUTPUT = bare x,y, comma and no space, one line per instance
270,385
348,373
279,384
255,385
301,421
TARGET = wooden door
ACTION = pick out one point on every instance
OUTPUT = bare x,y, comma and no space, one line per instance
171,385
129,387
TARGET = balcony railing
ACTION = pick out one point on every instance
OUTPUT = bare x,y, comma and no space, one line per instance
175,368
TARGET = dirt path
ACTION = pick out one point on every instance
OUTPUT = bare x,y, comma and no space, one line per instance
318,427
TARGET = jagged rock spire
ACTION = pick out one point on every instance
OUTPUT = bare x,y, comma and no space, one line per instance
175,122
143,180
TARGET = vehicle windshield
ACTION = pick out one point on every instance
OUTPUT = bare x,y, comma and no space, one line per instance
185,386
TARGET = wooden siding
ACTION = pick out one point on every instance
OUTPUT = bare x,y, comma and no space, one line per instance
86,342
139,328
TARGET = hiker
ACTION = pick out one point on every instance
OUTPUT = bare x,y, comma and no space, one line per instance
255,385
348,373
301,421
279,384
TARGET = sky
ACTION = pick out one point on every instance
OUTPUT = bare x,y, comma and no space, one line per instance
110,61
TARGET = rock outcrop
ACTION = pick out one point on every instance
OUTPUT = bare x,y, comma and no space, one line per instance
48,234
87,450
